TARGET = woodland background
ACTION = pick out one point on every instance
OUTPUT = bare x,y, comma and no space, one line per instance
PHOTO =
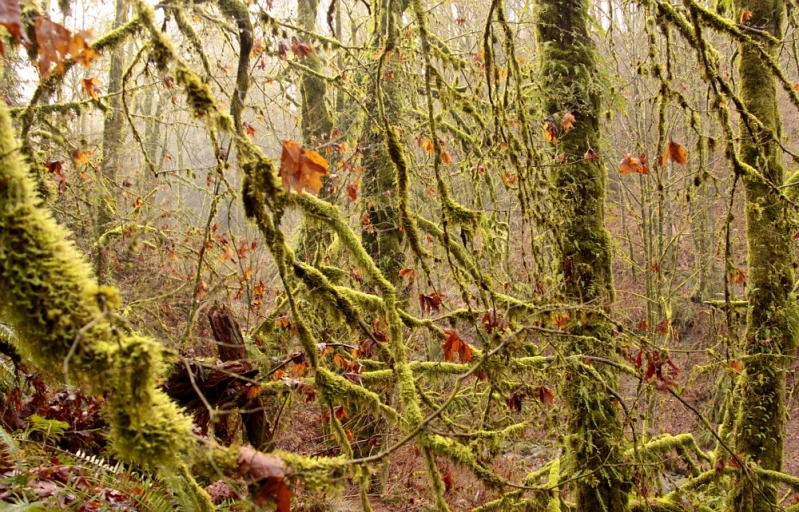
391,255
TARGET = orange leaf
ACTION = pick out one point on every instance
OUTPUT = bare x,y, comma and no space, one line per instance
746,14
629,165
90,85
300,49
737,366
10,18
301,168
567,122
550,131
676,152
446,157
250,129
352,190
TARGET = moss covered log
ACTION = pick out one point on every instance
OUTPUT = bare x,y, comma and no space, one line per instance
568,68
771,323
65,321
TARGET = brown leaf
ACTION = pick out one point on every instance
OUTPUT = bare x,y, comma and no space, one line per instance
259,466
56,44
300,49
746,14
250,129
410,273
737,366
352,190
90,85
550,131
514,403
430,302
301,168
591,155
676,152
454,347
629,165
446,157
9,18
546,395
567,122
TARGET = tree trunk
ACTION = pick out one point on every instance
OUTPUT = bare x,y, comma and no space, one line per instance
317,123
230,344
381,236
569,69
112,141
760,424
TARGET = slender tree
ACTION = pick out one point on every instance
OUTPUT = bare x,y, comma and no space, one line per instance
112,142
568,70
770,332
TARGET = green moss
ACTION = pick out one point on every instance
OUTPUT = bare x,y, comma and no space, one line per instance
65,321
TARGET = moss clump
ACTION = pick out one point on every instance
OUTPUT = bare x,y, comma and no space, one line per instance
198,94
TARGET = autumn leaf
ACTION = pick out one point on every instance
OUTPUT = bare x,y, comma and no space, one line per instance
629,165
80,156
591,155
446,157
550,131
546,395
409,273
90,85
746,14
643,325
675,152
509,179
56,44
301,168
10,19
353,189
300,49
663,327
248,128
561,321
268,471
454,347
567,122
514,403
737,366
430,302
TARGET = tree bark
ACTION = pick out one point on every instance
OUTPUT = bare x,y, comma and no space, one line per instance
112,141
569,69
771,323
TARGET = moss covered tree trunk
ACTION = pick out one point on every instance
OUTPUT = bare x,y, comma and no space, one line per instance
760,424
317,123
112,141
569,71
381,236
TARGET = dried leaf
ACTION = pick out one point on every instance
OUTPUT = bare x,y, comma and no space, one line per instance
300,49
567,122
746,14
550,131
10,18
90,85
676,152
546,395
737,366
591,155
629,165
301,168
